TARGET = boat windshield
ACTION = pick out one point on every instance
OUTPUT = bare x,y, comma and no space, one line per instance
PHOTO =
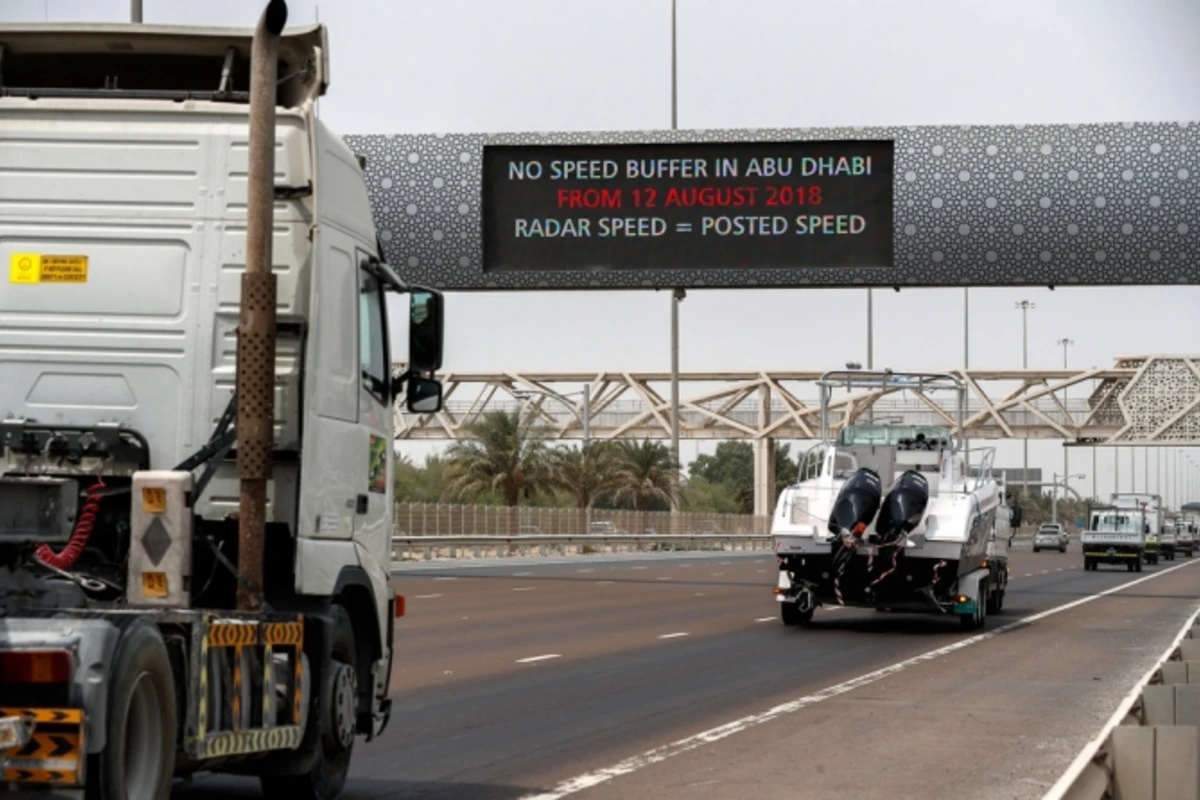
900,436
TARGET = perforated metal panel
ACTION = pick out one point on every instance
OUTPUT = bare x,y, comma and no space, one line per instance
980,206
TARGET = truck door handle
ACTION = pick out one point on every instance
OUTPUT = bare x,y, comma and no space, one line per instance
363,504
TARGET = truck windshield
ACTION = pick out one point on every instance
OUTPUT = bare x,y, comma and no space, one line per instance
1118,523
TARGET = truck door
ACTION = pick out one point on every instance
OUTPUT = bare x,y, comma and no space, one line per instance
375,417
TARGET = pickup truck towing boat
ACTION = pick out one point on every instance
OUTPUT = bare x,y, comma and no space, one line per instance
891,517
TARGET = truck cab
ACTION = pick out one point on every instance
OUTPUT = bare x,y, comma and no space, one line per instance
129,205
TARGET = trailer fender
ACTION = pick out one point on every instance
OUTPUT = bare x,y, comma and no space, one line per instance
968,585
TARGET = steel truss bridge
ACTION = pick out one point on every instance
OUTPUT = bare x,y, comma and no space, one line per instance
1140,400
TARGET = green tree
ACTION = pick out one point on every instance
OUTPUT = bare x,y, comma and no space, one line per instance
732,465
645,472
586,474
703,496
502,456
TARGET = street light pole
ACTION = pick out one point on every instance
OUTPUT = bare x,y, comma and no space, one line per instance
678,294
1024,306
135,10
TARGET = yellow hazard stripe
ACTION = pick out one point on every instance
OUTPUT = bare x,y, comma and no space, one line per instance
243,634
67,716
57,776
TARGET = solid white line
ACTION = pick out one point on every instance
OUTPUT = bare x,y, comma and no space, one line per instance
766,619
524,589
699,594
672,635
680,746
425,596
532,659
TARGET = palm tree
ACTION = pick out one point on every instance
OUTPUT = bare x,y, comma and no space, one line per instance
587,473
645,471
502,456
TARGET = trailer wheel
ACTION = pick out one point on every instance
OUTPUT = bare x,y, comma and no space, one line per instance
791,614
138,760
338,719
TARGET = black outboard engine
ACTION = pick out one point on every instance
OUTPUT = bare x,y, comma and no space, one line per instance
857,503
903,507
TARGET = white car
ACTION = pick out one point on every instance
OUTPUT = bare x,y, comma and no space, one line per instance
1050,537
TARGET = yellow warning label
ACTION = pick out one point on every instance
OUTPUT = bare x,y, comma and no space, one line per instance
154,584
154,500
38,268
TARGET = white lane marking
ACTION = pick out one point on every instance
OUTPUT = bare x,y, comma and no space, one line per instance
699,594
532,659
718,574
1043,572
640,568
445,579
589,569
672,635
524,588
726,563
522,574
680,746
1060,569
685,566
761,571
425,596
1027,575
664,578
766,619
603,583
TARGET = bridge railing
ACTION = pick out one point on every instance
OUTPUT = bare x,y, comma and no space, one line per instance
447,519
417,548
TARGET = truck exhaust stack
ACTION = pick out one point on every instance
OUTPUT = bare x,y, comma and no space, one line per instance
256,325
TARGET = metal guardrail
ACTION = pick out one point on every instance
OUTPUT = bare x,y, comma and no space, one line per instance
1150,748
413,548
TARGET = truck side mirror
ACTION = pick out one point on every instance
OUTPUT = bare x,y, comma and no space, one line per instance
424,331
424,395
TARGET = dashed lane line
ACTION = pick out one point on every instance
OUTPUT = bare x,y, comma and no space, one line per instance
535,659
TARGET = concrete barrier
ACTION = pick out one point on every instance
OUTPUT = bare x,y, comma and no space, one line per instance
1150,748
411,548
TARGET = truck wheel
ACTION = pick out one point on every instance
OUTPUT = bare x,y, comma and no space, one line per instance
976,620
338,718
138,760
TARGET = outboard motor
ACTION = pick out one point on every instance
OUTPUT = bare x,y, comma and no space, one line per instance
857,503
903,507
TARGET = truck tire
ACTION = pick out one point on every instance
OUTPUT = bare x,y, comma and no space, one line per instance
138,760
339,691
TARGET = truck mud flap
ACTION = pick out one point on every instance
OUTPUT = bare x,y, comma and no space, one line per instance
56,753
252,685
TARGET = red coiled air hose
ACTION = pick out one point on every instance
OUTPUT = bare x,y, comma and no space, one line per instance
83,531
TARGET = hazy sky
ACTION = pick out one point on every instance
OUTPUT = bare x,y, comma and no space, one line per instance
487,65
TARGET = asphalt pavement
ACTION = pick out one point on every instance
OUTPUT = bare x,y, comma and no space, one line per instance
672,677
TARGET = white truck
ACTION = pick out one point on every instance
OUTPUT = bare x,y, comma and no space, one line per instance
196,414
1116,534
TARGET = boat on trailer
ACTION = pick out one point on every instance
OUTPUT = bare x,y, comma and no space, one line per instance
891,516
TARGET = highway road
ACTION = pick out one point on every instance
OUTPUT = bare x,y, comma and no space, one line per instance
672,677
